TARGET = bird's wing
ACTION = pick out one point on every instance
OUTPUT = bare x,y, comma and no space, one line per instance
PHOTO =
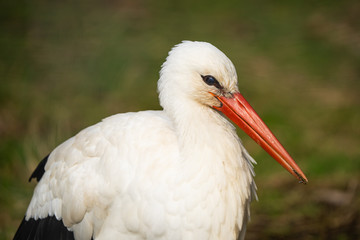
82,176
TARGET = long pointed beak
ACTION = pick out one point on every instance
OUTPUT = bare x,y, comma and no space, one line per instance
238,110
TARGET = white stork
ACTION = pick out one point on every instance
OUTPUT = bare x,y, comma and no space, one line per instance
179,173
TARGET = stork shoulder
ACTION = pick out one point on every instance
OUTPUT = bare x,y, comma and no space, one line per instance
89,169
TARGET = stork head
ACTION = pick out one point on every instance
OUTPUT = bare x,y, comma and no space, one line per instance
192,70
199,73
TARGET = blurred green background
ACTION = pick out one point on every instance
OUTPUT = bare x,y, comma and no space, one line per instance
65,65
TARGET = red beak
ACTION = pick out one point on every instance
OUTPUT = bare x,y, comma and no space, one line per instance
242,114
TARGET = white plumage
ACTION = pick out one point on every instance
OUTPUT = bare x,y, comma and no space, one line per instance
180,173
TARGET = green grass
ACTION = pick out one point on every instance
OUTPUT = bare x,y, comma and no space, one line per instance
64,66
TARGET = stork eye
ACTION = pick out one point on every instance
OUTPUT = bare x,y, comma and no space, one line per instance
211,81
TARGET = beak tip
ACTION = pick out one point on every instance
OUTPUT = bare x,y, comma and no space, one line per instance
301,177
303,182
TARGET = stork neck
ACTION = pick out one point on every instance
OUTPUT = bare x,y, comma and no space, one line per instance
210,148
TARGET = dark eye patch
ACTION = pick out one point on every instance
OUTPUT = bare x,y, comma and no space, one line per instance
211,81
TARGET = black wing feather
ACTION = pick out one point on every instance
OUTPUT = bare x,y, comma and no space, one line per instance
39,170
43,229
